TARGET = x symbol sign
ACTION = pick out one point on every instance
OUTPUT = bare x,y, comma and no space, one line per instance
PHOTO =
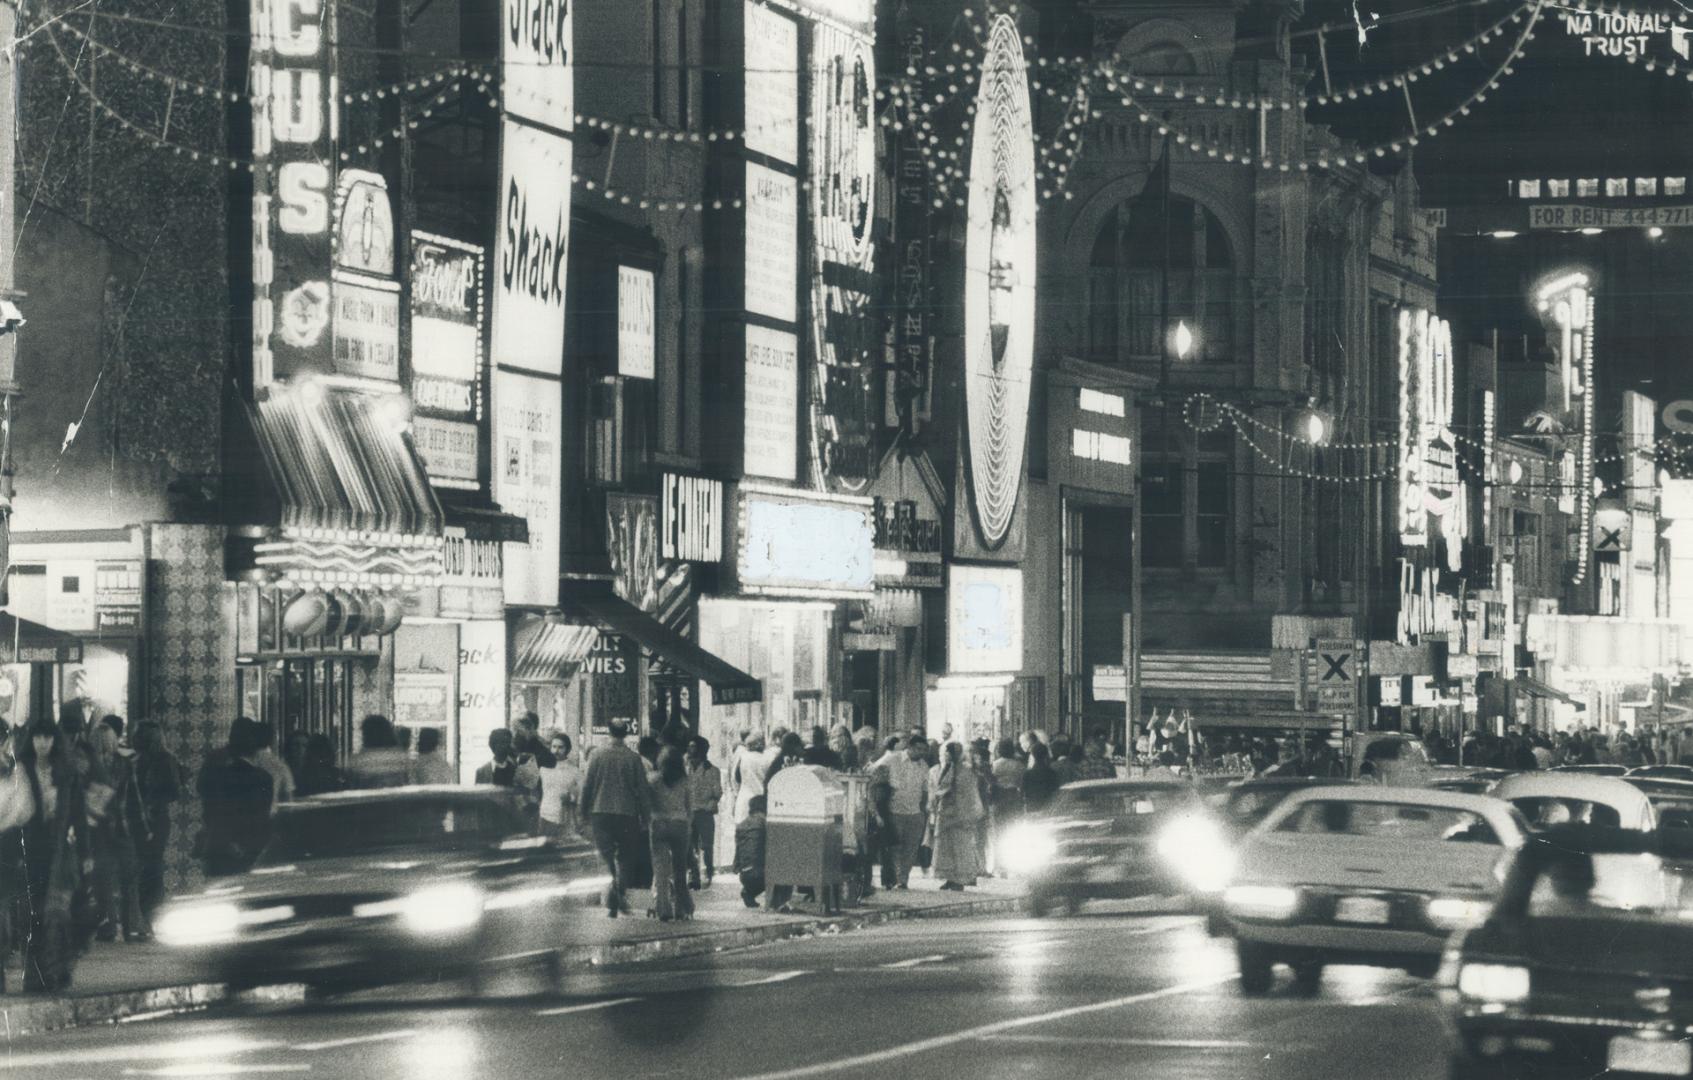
1610,539
1336,666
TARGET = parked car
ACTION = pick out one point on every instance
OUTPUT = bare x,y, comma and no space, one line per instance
1672,800
1583,968
384,885
1115,839
1365,875
1594,770
1554,798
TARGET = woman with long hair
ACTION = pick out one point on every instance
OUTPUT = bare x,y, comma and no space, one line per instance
671,835
958,807
1040,780
55,844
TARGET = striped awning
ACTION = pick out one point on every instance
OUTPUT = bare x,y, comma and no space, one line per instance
549,652
1213,675
338,462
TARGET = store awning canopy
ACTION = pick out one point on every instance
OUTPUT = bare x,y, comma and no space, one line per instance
596,602
486,523
340,459
26,642
545,651
1534,687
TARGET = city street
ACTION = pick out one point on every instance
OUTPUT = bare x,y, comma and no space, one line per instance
1101,994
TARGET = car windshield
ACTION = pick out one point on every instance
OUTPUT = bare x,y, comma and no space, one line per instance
1610,884
1543,812
1125,805
1251,805
338,829
1389,821
1403,750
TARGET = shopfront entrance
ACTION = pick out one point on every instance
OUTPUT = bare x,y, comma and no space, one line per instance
304,696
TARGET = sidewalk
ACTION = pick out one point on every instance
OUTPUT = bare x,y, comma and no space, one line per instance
119,981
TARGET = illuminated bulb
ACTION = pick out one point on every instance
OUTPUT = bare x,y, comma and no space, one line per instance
1598,487
1515,472
1655,232
1315,428
1591,232
1502,234
1184,340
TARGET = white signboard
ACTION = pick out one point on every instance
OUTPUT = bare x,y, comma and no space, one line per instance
446,308
367,329
531,249
635,325
788,544
448,450
772,259
482,692
526,481
984,623
1559,216
772,86
535,52
770,443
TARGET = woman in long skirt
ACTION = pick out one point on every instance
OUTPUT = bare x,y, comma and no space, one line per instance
958,808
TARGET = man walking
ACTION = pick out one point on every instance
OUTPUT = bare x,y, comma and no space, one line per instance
614,798
705,794
907,777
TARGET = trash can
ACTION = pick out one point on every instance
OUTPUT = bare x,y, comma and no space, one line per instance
804,830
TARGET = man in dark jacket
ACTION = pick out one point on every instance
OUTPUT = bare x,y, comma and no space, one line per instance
529,742
235,799
614,799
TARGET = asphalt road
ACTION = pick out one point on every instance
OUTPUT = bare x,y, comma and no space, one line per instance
1093,995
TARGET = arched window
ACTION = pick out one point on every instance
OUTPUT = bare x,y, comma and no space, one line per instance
1126,278
1163,58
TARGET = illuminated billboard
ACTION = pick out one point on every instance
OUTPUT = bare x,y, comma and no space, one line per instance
984,619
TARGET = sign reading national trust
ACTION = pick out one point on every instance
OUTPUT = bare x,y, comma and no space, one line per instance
999,286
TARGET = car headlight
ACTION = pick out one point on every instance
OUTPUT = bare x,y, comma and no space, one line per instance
436,909
1199,851
1027,847
1457,912
212,923
1503,984
1261,901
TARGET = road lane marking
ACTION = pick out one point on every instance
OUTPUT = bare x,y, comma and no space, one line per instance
355,1040
1109,1040
939,1042
216,1068
914,961
589,1007
780,976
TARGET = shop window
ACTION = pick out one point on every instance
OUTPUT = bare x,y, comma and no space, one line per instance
1126,280
1161,529
1212,520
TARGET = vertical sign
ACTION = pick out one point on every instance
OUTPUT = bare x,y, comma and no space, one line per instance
913,228
531,248
536,77
294,130
446,357
526,481
635,325
771,430
772,83
482,691
772,233
366,290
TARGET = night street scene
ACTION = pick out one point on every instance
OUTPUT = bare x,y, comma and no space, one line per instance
772,539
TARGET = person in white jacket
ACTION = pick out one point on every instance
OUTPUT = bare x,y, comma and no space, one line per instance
746,774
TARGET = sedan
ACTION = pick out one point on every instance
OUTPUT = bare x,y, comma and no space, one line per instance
1115,839
1555,798
1584,967
1660,772
1593,770
377,886
1362,875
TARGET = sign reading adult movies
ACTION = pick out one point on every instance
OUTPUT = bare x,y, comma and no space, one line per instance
294,129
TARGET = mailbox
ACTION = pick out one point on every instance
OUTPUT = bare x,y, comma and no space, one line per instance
805,808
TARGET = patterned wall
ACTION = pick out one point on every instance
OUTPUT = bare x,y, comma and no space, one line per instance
191,665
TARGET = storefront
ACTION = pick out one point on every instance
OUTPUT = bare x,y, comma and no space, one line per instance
984,653
335,533
1596,665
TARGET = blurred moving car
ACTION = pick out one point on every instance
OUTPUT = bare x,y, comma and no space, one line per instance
385,885
1239,810
1595,770
1660,772
1388,757
1584,967
1365,875
1116,839
1557,798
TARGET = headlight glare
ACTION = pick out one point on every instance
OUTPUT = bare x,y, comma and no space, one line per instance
1261,901
1504,984
198,924
1026,848
1199,850
1457,912
439,909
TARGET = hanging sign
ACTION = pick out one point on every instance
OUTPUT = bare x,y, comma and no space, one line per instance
446,323
690,518
635,325
526,481
531,249
771,63
537,80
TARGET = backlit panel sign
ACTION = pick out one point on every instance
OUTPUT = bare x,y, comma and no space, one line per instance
1428,468
984,619
772,235
446,317
526,481
482,691
531,249
791,544
771,431
294,129
635,326
448,449
690,518
771,62
537,79
999,283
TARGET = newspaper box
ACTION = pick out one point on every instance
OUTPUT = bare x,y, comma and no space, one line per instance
805,809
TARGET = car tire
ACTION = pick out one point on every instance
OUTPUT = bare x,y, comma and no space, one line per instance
1257,967
1308,977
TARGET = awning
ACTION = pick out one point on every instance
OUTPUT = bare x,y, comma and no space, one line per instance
1226,675
549,652
594,601
1535,688
486,523
337,461
25,642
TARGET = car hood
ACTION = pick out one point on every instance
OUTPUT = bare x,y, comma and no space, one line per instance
1363,863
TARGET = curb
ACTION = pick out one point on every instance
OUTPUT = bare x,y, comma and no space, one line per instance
25,1017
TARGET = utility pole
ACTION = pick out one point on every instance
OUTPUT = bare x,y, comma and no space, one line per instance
10,317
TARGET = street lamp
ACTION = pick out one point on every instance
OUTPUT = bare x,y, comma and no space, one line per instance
1183,340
